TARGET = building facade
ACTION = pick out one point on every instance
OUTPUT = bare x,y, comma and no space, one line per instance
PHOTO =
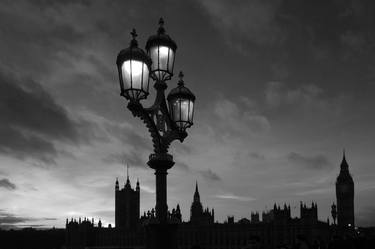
127,205
276,229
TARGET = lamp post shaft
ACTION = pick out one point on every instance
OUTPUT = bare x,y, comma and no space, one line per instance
161,195
161,163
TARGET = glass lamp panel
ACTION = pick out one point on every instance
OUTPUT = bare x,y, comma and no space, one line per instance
181,112
170,60
191,111
175,110
135,76
153,53
121,78
184,110
145,78
126,76
162,58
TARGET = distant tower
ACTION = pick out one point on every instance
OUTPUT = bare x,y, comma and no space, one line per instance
198,215
127,205
196,210
345,196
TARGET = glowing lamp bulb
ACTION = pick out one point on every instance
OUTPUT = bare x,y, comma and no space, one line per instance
133,68
163,51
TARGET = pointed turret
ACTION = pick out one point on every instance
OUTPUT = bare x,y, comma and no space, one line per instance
117,187
127,184
344,165
137,187
196,194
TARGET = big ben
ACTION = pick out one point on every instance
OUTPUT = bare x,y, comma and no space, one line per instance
345,196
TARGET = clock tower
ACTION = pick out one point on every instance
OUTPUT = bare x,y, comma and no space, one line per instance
345,196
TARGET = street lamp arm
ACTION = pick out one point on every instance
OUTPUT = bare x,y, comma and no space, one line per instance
145,115
158,121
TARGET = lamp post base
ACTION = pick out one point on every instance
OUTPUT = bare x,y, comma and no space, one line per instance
161,236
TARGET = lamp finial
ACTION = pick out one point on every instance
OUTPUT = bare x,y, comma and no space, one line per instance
161,29
161,21
134,42
181,76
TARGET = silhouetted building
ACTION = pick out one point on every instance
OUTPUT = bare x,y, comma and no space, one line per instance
277,229
199,216
254,217
309,214
127,205
345,196
334,213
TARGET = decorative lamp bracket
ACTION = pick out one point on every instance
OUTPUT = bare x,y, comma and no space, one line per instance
158,120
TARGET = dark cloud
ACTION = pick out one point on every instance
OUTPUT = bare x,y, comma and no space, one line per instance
233,118
5,183
182,166
6,218
134,159
31,121
9,220
311,162
181,148
128,136
209,175
257,155
138,146
246,22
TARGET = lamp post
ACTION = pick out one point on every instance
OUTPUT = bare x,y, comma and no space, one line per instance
166,120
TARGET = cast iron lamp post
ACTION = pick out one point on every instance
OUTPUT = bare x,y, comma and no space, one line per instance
165,122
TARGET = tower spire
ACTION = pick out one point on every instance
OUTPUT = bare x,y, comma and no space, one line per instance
127,184
344,165
196,194
137,185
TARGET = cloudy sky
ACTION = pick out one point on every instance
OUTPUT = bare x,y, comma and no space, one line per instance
282,87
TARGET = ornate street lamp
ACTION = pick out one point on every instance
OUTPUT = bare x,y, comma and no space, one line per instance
161,49
181,105
164,124
134,67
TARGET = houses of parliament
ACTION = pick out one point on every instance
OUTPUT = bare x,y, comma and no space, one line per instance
275,229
